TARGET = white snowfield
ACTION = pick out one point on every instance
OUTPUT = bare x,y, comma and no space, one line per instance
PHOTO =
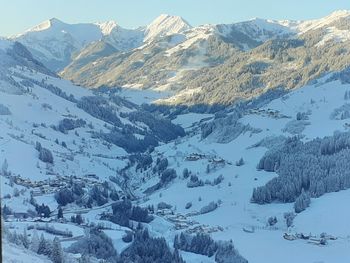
328,213
15,254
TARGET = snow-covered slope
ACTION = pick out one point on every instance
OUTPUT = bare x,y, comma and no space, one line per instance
165,25
53,41
305,26
236,215
15,254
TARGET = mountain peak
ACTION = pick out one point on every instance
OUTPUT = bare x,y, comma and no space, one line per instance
46,25
166,25
107,27
55,21
340,13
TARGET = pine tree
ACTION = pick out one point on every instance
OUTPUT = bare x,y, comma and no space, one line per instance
79,219
240,162
60,213
4,167
45,246
208,169
302,202
25,240
34,244
57,252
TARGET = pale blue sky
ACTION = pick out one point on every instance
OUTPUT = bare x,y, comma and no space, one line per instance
19,15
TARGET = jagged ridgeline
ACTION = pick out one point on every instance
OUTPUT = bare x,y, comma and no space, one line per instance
221,64
317,167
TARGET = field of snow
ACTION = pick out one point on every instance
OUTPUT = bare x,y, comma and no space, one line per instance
14,254
328,213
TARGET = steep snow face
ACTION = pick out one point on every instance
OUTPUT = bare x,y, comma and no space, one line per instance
107,27
165,25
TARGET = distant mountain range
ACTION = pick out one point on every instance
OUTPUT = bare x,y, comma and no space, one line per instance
199,64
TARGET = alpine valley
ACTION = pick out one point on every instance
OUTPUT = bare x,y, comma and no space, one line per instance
169,143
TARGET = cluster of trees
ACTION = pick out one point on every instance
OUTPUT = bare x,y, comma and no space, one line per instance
70,124
77,219
6,211
289,217
302,116
226,128
240,162
42,210
96,244
272,221
45,155
147,249
57,91
98,194
163,205
51,230
341,113
126,140
203,244
122,135
162,128
124,211
99,107
227,253
144,161
302,202
64,196
165,178
209,208
50,248
53,89
161,165
305,170
194,182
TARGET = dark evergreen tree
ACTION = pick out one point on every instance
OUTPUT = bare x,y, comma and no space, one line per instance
60,213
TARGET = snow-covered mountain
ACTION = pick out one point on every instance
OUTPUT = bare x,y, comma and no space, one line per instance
54,42
165,25
253,56
254,162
